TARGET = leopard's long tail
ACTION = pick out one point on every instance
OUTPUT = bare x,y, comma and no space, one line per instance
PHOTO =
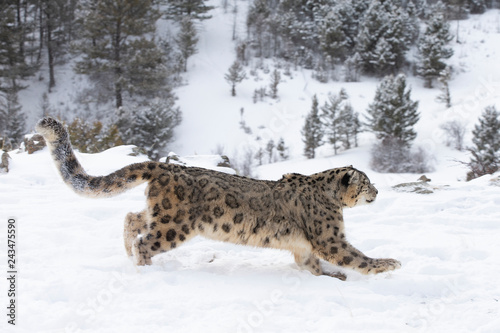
74,175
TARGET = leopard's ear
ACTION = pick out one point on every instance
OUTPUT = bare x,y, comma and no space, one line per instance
350,177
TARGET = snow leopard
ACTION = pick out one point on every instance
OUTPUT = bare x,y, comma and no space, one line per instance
302,214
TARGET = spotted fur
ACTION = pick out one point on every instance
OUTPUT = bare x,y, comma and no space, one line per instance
301,214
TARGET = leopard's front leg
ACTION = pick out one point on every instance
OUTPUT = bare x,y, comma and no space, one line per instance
310,262
344,254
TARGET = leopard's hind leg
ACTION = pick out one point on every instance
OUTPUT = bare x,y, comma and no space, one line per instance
148,236
136,235
135,224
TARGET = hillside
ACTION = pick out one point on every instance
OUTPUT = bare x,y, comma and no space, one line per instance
211,117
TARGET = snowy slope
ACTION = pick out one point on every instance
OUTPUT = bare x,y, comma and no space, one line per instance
75,276
211,116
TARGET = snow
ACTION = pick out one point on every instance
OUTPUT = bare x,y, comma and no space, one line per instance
74,275
213,162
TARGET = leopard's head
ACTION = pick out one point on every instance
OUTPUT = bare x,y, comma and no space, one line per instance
355,188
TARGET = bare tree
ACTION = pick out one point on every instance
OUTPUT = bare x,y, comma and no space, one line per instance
456,132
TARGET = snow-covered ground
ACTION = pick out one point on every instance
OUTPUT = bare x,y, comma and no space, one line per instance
74,275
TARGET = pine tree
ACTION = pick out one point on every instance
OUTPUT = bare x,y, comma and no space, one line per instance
152,126
331,117
147,70
56,21
257,16
477,6
433,49
235,75
401,33
370,30
109,44
383,58
187,39
413,22
270,149
322,70
444,78
12,119
193,9
273,85
173,60
350,126
12,62
45,106
356,127
312,132
3,116
392,113
384,37
259,155
352,68
282,149
486,139
332,38
350,13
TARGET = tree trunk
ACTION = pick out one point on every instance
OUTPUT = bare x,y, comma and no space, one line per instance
118,69
40,37
20,25
428,82
118,95
50,50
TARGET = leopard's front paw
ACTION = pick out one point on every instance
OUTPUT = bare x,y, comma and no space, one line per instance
385,265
